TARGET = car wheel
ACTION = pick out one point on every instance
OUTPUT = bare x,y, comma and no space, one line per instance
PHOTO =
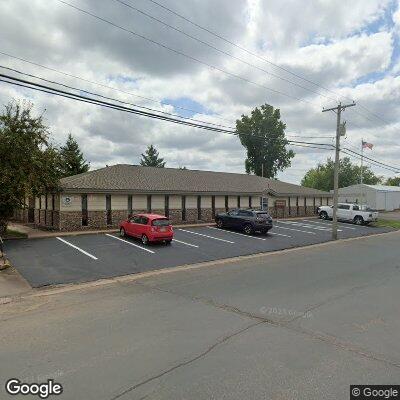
248,229
323,215
358,220
122,232
167,242
145,239
220,224
264,231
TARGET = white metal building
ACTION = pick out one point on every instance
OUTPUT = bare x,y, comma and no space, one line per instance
379,197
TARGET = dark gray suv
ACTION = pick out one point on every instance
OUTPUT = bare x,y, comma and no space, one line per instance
247,221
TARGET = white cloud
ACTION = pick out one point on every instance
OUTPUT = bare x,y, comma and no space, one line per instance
327,42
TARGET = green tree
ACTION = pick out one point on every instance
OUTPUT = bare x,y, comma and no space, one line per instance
151,158
72,161
321,177
28,162
395,181
263,135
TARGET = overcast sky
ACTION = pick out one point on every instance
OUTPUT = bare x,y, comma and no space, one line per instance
352,49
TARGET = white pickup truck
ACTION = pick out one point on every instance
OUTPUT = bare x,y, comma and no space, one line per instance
349,212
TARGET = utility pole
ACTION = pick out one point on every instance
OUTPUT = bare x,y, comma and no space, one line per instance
338,110
361,172
362,156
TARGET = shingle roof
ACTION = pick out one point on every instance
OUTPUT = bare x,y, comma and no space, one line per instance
138,179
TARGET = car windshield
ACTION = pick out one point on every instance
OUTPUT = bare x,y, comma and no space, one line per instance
161,222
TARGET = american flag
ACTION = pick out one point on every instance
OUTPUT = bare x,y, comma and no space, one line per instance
366,144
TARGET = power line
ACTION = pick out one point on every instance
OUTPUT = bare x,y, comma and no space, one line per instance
370,162
85,99
107,86
50,90
111,98
219,50
129,93
397,169
147,108
194,59
260,58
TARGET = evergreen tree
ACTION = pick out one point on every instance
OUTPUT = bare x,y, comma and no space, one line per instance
72,161
151,158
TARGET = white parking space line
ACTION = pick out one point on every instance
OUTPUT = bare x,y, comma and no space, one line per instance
210,237
304,225
77,248
132,244
236,233
325,228
329,224
251,237
278,234
187,244
292,229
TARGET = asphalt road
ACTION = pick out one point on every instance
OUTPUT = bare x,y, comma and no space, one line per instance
90,257
303,324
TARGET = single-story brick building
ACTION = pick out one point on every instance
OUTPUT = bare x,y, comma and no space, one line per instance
101,198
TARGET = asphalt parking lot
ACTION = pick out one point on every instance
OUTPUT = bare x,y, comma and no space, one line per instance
82,258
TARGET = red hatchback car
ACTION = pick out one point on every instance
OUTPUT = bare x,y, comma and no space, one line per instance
148,227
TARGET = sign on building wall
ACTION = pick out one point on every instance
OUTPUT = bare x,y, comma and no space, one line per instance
66,200
280,203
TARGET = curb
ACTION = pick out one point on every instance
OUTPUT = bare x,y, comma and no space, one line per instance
64,288
4,264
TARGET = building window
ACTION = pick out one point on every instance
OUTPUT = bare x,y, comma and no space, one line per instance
238,201
213,206
199,207
108,209
289,205
149,203
129,205
84,210
297,206
250,206
166,204
226,203
183,208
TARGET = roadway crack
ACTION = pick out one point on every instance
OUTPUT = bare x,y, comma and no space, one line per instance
261,320
187,362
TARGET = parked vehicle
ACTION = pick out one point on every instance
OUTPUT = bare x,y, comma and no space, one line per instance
349,212
248,221
148,227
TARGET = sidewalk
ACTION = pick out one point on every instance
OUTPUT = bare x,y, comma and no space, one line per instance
11,284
